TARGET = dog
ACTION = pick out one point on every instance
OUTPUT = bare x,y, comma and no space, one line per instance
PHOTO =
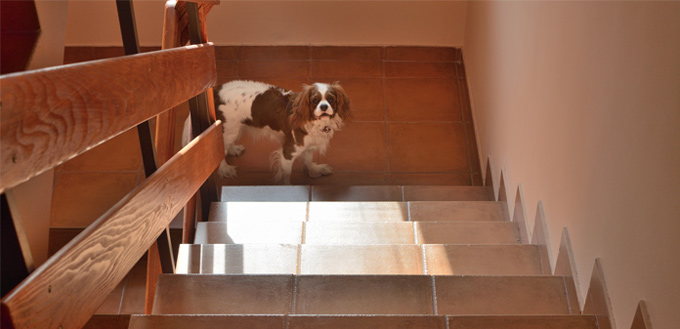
303,123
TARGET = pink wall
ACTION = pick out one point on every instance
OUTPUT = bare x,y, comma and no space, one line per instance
415,22
580,103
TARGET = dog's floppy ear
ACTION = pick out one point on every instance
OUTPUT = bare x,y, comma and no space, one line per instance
301,113
343,108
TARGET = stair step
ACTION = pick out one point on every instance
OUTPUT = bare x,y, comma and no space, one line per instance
380,211
523,322
359,294
359,259
346,233
265,193
356,193
363,321
447,193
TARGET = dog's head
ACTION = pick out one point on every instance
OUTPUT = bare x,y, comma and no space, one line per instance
320,101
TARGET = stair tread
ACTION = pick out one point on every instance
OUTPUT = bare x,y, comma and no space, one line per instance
355,193
359,294
357,211
266,193
322,232
363,321
359,259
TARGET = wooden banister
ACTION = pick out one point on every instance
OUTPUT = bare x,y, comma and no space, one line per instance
68,289
49,116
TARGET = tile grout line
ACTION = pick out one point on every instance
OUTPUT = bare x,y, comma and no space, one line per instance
415,233
566,294
434,295
293,299
298,267
423,254
385,121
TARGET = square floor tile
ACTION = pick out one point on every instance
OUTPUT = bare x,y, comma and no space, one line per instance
249,259
345,233
501,295
394,294
273,53
467,233
359,146
440,54
482,260
356,193
427,147
347,53
347,68
273,69
358,211
344,179
247,211
419,70
265,193
429,179
420,99
239,232
207,321
223,294
361,259
368,321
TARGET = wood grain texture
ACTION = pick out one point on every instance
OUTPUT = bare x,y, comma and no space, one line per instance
49,116
70,286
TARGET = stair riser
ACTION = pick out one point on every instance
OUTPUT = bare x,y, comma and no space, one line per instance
362,321
360,259
357,211
358,233
356,193
397,294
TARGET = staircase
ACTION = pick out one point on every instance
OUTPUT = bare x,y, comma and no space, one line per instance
360,257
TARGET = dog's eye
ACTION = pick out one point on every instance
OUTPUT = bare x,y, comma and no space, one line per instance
330,100
315,101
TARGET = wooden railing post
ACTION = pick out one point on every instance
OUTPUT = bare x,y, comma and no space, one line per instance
202,112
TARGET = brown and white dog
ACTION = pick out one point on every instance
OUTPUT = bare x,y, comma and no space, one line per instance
302,122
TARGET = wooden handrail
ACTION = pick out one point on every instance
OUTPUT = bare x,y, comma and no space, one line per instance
68,289
49,116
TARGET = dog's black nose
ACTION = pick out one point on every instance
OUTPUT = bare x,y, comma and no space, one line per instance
323,107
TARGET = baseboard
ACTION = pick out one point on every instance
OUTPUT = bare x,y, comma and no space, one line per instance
641,319
541,238
597,300
565,266
519,216
488,180
503,196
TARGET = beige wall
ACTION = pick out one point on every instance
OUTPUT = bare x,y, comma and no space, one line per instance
426,23
34,198
580,103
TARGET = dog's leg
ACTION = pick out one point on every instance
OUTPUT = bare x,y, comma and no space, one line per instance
231,133
315,170
283,167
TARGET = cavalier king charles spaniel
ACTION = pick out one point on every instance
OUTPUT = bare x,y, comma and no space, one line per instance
302,122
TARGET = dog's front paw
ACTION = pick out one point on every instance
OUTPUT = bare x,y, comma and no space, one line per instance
236,150
316,170
226,170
